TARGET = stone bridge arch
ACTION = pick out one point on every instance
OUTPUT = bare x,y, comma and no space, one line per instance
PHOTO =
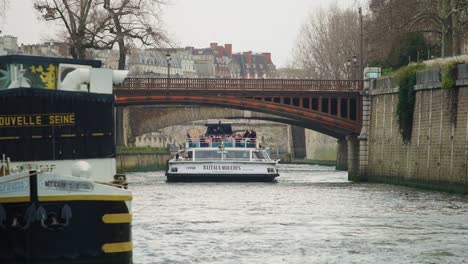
133,121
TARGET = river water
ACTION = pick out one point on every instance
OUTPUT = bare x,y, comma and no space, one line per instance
311,215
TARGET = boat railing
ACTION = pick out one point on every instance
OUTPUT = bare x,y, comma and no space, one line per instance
221,142
4,166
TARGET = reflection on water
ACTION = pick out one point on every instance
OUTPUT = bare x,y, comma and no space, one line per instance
311,215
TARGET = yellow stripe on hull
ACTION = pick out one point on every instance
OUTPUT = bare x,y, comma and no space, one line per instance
117,247
19,199
117,218
57,198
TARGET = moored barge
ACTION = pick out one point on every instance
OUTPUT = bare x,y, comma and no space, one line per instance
61,200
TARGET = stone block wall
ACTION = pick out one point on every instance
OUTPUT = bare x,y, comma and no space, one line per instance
135,162
438,152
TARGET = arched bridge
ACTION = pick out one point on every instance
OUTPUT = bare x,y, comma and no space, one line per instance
332,107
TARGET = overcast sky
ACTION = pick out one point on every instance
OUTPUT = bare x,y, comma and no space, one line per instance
257,25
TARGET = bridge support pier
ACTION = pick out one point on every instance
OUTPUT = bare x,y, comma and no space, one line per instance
122,126
342,155
298,142
359,154
353,158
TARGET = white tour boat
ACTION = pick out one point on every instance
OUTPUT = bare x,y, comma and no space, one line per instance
217,157
61,200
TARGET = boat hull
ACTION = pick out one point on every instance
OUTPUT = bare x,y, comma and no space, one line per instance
84,240
49,218
171,177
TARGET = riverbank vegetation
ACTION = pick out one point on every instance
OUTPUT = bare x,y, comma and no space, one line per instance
144,168
406,80
140,150
389,34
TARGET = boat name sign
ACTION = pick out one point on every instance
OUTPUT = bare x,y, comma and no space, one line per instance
63,185
38,120
14,186
221,168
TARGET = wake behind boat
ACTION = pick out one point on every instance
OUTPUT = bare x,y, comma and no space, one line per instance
220,155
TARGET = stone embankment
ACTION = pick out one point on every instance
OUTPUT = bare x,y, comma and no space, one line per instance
141,159
437,153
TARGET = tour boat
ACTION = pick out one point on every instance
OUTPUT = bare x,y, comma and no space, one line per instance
61,200
221,156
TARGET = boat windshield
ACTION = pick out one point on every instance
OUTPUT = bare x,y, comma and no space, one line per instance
260,155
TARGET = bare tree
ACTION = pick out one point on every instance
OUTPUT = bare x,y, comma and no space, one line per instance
135,22
85,24
3,8
327,40
445,18
100,24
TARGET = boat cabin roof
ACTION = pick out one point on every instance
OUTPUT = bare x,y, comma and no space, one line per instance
218,129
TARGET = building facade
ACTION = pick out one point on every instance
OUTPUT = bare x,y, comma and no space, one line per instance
255,65
8,45
49,49
157,63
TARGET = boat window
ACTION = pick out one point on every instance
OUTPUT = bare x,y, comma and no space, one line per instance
265,154
258,155
208,154
238,155
190,154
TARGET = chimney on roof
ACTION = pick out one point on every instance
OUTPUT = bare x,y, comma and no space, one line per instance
220,51
248,57
268,57
213,45
228,48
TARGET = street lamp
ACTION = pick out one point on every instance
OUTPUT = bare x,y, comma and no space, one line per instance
361,60
169,60
348,68
355,66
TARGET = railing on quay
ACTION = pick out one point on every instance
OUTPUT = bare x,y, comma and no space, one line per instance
239,84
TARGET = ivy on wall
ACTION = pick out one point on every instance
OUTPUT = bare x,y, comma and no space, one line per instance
449,83
449,76
406,79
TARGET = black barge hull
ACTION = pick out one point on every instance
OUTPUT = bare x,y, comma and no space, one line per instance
85,239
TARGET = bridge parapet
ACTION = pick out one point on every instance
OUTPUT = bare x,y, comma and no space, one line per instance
383,85
241,84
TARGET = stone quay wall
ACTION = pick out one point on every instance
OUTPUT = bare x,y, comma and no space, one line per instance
437,155
141,162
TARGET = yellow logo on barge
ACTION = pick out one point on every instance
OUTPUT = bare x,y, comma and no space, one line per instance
37,120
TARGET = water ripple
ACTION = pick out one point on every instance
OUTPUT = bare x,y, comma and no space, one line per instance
311,215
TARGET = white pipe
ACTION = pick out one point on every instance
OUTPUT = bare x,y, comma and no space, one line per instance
119,76
74,79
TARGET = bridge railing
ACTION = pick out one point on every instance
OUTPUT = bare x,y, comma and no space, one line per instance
239,84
